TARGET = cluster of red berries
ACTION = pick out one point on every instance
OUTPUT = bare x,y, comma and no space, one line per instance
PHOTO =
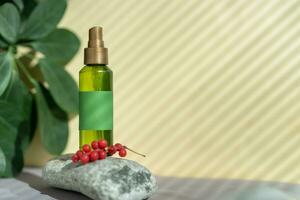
99,150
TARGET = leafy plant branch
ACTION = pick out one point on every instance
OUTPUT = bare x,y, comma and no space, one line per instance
35,89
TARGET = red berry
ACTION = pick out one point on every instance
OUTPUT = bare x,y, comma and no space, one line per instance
94,156
88,153
122,152
118,146
111,150
102,154
102,144
79,153
86,148
84,159
95,145
75,158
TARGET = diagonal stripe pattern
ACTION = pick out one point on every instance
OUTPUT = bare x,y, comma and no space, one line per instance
204,88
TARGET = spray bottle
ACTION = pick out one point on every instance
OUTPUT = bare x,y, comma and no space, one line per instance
95,92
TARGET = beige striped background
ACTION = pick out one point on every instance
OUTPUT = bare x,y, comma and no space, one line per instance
206,88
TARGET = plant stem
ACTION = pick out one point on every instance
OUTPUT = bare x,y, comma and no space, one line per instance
134,151
23,68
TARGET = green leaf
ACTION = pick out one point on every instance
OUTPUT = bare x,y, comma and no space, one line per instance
8,135
53,106
3,2
27,127
21,98
18,95
13,116
29,6
19,4
15,90
15,108
2,163
10,19
5,70
10,112
43,19
53,129
62,86
59,46
3,43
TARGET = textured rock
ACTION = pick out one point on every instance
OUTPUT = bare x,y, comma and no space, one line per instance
109,179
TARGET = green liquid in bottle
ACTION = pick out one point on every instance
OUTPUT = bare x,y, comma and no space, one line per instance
95,78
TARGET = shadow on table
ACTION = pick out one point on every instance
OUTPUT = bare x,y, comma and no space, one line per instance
171,188
37,183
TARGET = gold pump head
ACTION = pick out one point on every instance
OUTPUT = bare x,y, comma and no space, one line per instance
95,53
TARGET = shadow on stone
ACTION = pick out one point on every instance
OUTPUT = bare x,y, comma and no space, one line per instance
37,183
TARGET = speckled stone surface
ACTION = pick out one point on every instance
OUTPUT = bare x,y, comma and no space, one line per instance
108,179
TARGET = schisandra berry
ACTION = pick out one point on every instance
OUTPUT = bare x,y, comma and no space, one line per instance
94,156
102,144
122,152
98,151
86,148
118,146
79,153
111,150
84,159
75,158
95,145
102,154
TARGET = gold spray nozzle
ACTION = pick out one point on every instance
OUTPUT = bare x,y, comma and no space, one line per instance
95,37
95,53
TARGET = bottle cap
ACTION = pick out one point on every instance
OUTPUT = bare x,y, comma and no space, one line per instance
95,53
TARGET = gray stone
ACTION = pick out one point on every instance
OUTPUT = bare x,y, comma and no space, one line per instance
108,179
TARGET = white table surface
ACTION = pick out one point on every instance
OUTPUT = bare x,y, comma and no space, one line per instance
29,185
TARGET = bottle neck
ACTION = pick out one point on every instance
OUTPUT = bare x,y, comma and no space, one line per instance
96,65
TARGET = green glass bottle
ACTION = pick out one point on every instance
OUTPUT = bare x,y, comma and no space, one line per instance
95,92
